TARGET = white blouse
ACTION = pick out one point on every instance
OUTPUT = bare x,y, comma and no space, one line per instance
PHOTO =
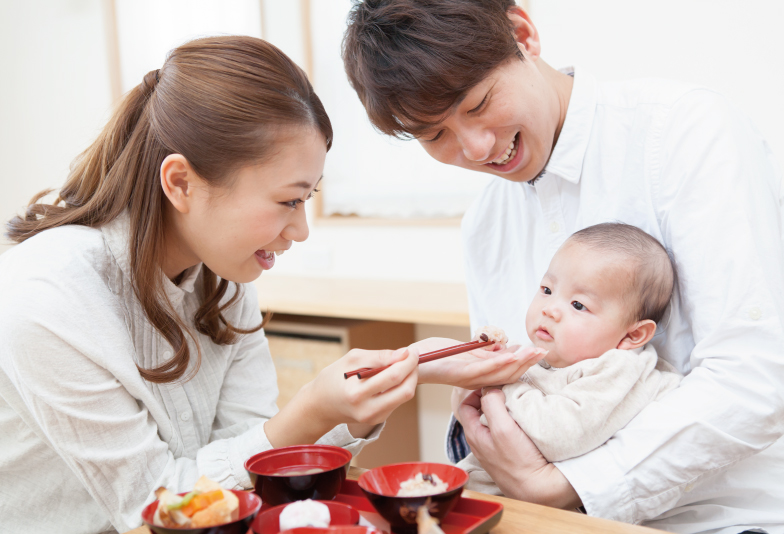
84,440
686,166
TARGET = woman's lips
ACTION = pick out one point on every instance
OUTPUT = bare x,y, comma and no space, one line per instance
265,258
543,334
516,159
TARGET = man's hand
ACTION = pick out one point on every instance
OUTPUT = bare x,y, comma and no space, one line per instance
509,456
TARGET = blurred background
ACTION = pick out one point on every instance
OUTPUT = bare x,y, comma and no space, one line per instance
383,264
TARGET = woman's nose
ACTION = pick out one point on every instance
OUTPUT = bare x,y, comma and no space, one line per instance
297,229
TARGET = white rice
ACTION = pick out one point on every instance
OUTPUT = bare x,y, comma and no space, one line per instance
306,513
418,486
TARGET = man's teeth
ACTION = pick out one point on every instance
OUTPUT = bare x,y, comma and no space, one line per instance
279,252
508,155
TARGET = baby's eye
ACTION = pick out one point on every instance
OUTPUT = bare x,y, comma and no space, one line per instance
546,290
578,306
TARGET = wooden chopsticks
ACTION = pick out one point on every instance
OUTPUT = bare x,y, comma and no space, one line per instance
483,341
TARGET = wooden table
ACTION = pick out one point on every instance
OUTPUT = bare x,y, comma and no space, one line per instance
439,303
523,518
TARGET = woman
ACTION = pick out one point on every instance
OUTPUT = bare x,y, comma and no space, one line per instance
465,78
131,349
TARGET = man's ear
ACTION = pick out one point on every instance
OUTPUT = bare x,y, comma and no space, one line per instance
525,31
638,335
178,180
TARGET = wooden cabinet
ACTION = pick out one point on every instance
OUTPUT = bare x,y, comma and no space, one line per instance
302,346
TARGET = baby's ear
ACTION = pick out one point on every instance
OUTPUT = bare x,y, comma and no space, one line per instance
638,335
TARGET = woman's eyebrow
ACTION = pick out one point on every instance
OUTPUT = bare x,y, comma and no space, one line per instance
306,185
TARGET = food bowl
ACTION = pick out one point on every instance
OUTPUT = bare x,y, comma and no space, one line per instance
297,473
381,485
267,522
250,505
342,529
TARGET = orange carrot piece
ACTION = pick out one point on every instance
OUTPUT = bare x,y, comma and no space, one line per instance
202,501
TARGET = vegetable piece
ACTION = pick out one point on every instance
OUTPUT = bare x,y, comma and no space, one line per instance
201,501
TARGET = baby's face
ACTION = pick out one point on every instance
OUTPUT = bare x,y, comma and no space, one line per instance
580,311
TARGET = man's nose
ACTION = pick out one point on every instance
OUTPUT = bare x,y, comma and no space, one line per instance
477,144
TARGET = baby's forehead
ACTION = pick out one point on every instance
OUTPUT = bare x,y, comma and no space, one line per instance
605,273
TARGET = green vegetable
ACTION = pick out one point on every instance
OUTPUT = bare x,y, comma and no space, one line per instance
184,502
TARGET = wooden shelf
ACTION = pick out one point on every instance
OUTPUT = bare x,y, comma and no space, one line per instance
409,302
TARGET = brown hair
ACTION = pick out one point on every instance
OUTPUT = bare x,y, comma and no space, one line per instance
411,61
218,101
653,275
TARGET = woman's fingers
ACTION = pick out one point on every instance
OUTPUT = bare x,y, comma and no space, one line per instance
376,397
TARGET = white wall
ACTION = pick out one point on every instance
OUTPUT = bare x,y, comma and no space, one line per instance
54,97
734,47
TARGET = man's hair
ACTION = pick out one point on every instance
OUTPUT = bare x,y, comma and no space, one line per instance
412,61
653,275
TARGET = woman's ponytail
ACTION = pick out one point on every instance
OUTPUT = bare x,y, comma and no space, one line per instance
82,200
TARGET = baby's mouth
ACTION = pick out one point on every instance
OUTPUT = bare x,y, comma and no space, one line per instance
543,334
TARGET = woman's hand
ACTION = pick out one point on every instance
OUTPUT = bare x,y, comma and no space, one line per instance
478,368
330,399
509,456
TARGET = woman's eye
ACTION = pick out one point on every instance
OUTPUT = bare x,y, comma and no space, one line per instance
578,306
296,202
546,290
292,203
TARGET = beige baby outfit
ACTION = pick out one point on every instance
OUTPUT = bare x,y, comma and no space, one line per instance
572,410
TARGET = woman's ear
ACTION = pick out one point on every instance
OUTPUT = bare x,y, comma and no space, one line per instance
638,335
525,31
178,180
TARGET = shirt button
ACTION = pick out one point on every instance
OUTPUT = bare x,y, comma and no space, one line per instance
689,487
167,355
185,416
755,313
554,227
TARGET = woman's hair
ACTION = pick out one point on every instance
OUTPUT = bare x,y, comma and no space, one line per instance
218,101
411,61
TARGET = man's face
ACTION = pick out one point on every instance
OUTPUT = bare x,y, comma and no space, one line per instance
505,126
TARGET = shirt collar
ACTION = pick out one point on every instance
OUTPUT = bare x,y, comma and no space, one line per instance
117,236
566,160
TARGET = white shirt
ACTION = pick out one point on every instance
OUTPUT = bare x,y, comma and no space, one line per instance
686,166
84,440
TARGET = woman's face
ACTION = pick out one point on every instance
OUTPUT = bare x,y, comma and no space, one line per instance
235,230
506,125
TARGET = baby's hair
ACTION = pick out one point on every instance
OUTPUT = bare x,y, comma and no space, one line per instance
653,276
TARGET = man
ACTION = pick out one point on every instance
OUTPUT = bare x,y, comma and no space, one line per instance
465,78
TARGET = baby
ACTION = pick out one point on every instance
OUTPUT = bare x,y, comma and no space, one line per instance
595,311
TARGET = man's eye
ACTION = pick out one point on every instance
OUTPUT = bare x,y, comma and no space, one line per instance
578,306
437,137
479,107
546,290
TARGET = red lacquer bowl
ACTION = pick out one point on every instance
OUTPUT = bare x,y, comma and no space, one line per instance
278,474
381,485
250,504
343,529
267,522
